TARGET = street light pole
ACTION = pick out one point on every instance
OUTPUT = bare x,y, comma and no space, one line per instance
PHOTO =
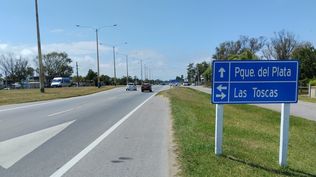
41,71
77,74
141,70
126,69
114,56
114,65
98,61
97,44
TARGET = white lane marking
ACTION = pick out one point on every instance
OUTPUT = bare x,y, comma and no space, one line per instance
61,171
61,112
27,106
13,150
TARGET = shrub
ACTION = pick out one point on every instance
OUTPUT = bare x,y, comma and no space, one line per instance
313,82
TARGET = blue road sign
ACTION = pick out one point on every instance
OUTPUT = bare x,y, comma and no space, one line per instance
254,81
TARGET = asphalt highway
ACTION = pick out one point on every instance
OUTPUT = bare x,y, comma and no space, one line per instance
112,133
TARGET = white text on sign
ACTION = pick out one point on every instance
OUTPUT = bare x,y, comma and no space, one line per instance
262,72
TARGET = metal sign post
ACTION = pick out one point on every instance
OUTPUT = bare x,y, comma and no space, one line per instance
219,129
255,82
284,134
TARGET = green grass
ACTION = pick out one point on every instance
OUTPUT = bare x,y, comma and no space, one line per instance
250,142
307,99
30,95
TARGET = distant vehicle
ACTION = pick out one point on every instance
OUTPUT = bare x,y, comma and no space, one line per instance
146,86
131,87
185,83
61,82
16,85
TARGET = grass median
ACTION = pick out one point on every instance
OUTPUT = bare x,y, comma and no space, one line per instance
30,95
250,141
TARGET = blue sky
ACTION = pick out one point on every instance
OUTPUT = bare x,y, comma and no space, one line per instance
166,34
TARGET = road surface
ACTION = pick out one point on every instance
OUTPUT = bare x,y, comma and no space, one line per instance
112,133
301,109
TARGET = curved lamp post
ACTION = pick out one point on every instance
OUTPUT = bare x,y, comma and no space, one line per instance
97,44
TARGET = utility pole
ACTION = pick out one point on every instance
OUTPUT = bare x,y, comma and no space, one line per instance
149,74
6,79
144,71
97,40
141,70
77,74
114,65
40,62
126,69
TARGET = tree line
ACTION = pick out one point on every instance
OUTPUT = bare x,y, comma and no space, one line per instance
55,64
283,45
17,69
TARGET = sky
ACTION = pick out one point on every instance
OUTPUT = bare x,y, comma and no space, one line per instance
166,35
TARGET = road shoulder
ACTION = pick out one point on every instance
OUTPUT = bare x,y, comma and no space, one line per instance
146,134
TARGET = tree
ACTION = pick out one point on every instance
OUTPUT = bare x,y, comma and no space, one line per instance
15,68
106,79
200,69
281,46
30,71
179,79
207,74
78,79
190,72
306,54
194,72
91,75
245,47
245,55
57,65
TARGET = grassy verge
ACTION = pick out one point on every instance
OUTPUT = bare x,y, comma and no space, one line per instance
307,99
251,139
30,95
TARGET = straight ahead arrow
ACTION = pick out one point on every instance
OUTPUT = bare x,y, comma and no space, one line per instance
221,70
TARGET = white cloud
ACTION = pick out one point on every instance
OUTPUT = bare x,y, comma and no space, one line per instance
3,46
57,30
201,59
84,52
27,52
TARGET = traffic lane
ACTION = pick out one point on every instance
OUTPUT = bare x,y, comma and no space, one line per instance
139,147
44,104
61,148
26,120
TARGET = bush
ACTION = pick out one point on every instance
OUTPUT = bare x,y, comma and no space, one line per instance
313,82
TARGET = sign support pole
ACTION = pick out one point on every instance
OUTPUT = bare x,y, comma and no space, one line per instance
284,134
219,129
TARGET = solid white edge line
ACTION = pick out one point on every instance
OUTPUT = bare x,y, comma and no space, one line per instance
61,171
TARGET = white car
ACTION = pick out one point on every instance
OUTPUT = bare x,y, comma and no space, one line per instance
61,82
131,87
16,85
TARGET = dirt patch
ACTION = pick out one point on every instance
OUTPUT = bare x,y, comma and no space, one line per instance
174,167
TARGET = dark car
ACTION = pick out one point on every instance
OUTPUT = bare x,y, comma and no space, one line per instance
146,86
